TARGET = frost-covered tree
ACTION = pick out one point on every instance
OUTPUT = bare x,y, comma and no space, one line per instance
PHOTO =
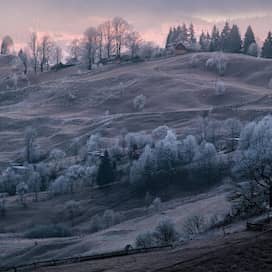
7,45
34,45
165,233
133,42
120,30
108,37
75,49
90,45
253,50
24,59
59,186
253,160
44,52
217,63
225,38
220,88
139,102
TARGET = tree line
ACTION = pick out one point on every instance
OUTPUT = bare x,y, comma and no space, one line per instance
229,40
111,40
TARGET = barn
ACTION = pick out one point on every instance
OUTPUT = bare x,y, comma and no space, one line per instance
180,49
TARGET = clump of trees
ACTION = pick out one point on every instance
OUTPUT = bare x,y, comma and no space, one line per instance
252,164
164,234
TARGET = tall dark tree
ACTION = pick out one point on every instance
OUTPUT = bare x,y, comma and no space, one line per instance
267,46
184,33
235,41
192,38
202,41
248,40
106,173
169,37
225,37
215,40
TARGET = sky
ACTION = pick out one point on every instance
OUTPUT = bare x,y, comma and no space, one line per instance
66,19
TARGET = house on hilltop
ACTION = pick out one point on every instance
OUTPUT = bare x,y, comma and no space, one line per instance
177,48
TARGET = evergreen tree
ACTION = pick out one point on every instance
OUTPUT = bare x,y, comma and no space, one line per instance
105,172
248,40
267,46
202,41
184,33
225,38
235,41
215,40
169,37
192,38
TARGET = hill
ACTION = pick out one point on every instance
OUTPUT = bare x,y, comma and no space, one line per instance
74,102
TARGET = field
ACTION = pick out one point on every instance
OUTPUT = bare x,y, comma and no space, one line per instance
74,103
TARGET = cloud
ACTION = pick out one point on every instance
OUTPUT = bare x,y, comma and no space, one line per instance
151,17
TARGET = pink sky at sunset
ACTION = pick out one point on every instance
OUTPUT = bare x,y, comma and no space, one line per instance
68,19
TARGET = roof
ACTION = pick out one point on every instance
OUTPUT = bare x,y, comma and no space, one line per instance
180,46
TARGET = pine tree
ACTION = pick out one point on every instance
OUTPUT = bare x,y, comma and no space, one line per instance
192,34
184,33
105,172
267,46
169,37
225,38
215,40
248,40
202,41
235,41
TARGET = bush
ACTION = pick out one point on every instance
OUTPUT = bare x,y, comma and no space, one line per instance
145,240
217,63
48,231
139,102
165,233
220,88
194,225
155,206
253,50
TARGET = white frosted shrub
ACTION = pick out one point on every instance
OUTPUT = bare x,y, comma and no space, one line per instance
220,88
139,102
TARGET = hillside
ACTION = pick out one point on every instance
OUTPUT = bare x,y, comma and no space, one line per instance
73,102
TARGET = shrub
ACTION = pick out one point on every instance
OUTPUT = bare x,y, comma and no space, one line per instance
145,240
253,50
217,63
156,205
220,88
194,225
165,233
48,231
139,102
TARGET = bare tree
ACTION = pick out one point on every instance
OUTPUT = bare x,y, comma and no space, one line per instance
7,45
44,51
100,42
90,45
33,44
75,49
120,29
56,54
133,42
23,57
107,30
